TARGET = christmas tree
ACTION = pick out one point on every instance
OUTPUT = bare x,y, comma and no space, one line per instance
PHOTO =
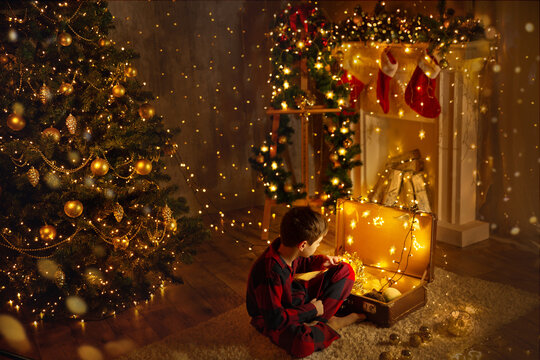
89,224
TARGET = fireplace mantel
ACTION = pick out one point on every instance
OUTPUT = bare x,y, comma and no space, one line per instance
449,146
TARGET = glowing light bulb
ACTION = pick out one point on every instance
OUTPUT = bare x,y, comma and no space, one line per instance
353,224
349,240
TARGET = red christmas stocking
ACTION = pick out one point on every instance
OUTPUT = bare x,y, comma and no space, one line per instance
387,69
420,92
355,85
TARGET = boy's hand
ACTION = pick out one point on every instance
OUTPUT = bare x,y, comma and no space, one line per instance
318,305
332,260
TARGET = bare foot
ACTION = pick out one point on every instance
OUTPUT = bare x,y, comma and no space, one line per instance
337,323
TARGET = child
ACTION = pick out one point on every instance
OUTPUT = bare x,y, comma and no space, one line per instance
299,315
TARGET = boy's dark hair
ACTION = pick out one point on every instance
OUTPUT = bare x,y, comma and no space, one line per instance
302,223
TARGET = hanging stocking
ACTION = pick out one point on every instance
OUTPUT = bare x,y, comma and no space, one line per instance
355,85
420,92
387,69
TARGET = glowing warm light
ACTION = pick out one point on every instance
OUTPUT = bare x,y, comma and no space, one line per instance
274,165
264,148
272,188
353,224
365,214
286,71
422,134
378,221
318,65
392,250
342,151
335,181
349,240
300,44
417,245
401,113
284,105
329,94
286,85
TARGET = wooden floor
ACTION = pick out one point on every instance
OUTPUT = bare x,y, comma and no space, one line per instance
216,283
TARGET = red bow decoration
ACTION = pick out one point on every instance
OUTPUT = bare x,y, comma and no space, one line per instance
302,12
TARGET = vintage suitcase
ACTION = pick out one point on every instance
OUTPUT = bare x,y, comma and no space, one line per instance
396,249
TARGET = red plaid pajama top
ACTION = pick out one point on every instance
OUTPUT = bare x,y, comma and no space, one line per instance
280,307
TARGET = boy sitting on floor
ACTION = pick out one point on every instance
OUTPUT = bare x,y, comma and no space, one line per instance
299,315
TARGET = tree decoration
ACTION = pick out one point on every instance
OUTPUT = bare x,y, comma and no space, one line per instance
103,42
167,214
146,111
121,243
64,39
59,278
143,167
172,225
45,94
118,90
73,208
130,71
52,133
99,167
71,123
118,212
33,176
47,233
16,122
65,89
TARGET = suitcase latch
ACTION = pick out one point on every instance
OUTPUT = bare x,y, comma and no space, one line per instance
369,308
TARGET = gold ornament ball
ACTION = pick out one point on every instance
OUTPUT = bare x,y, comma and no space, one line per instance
64,39
282,139
47,232
118,90
172,225
260,159
73,208
426,337
121,242
288,187
143,167
146,111
405,354
16,122
130,71
332,128
66,89
4,59
334,157
394,339
104,42
99,167
53,133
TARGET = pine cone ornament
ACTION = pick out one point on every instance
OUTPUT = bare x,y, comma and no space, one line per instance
167,214
44,94
71,123
33,176
118,212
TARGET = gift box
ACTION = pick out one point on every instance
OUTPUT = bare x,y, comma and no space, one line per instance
391,250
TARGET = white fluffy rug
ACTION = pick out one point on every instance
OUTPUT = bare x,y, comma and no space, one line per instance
229,336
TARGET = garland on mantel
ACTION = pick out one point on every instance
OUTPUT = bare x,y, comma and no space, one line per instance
301,32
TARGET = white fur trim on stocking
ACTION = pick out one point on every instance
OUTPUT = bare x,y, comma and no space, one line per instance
429,66
388,67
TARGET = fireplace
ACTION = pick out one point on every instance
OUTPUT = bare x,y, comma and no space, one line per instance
447,143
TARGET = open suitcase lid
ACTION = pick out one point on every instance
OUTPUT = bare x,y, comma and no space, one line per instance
379,233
